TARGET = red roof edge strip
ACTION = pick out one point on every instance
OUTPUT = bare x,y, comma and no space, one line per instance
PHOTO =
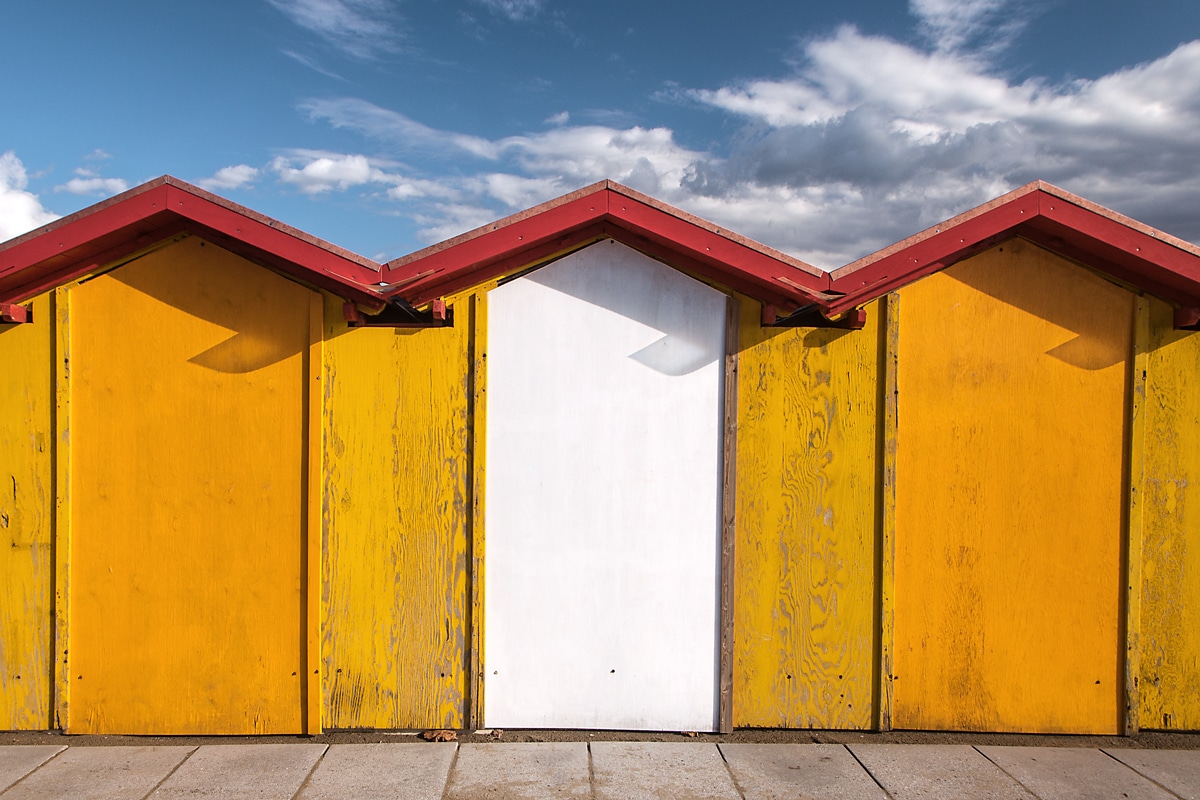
727,255
929,251
474,256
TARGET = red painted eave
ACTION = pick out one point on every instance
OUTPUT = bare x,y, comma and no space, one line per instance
604,210
122,225
1100,238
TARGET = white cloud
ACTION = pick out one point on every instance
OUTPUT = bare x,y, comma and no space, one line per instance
20,210
227,178
865,142
561,118
958,25
515,10
361,28
322,172
87,182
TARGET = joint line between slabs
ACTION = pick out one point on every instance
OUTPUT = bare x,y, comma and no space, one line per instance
35,769
1011,777
1137,771
450,771
308,777
870,774
174,769
591,774
737,787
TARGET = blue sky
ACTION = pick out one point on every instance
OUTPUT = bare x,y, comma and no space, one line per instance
824,129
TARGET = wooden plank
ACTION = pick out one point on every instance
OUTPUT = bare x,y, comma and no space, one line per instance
396,525
889,414
314,447
805,576
62,507
1169,668
1132,595
728,516
27,520
1013,372
187,496
479,353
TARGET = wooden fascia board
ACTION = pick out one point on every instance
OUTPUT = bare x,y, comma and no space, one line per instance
935,249
760,274
476,258
79,244
1132,253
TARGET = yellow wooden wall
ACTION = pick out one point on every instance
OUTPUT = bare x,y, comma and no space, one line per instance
1010,510
1170,555
186,433
397,504
804,597
26,519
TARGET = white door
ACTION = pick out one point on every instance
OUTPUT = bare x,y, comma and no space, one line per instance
603,504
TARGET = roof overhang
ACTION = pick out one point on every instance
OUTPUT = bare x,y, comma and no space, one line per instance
605,210
133,221
1108,242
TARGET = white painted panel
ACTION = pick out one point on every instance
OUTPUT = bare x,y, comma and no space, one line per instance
605,380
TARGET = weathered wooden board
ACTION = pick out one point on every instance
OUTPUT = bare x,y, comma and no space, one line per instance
397,491
603,516
1013,379
187,484
1170,630
26,519
806,561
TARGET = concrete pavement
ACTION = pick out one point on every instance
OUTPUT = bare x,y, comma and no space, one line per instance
594,771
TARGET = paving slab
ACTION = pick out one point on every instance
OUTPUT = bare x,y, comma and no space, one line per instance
242,772
18,760
1177,770
799,772
370,771
100,773
1072,773
520,771
935,771
668,770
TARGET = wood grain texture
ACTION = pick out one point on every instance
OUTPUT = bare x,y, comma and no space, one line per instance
396,525
1011,502
1135,491
804,600
187,526
1170,591
888,442
26,519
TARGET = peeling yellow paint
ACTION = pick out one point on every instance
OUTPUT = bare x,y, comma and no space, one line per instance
26,519
804,597
1170,589
397,480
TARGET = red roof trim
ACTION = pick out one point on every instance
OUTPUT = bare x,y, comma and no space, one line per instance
1048,216
75,245
604,209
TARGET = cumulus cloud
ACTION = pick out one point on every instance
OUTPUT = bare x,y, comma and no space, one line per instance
364,29
320,172
20,210
864,141
226,178
87,182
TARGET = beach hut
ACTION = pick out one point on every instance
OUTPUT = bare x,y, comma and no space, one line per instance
600,464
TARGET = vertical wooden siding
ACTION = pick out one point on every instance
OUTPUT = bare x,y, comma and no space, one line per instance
804,601
396,525
26,517
1013,377
188,419
1170,629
